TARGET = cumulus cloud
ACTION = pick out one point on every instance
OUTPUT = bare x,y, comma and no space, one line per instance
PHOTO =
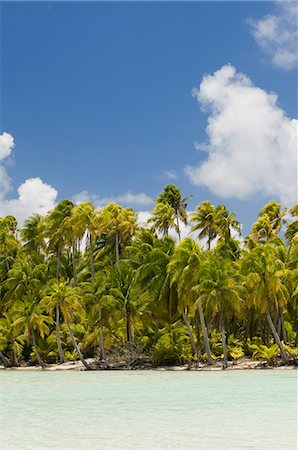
127,199
34,196
277,34
252,144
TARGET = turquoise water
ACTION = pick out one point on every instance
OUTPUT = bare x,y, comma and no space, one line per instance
149,410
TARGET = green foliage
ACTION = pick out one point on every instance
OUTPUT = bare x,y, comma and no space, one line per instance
86,282
173,346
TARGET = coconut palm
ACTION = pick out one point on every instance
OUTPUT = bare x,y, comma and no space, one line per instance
205,220
123,293
264,268
32,234
184,269
120,225
67,300
220,290
151,257
172,196
55,228
31,319
225,225
163,218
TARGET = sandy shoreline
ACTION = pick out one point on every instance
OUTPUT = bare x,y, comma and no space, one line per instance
246,364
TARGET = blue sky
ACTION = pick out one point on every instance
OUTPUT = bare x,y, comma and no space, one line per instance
98,96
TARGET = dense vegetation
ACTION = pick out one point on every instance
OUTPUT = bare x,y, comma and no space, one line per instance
82,283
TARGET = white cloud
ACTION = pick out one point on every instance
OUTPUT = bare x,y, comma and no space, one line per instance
277,34
252,147
171,174
127,199
6,146
34,196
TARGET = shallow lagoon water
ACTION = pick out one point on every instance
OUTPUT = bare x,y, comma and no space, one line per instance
142,410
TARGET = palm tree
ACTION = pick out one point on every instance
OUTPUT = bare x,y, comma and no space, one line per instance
122,290
205,220
55,228
163,219
151,257
184,269
67,299
225,225
219,289
120,225
8,241
264,269
32,234
172,196
29,316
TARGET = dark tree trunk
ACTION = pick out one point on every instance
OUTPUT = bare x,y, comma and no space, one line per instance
128,328
58,339
283,333
6,361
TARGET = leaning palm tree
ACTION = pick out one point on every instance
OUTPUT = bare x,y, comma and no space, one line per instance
67,300
264,268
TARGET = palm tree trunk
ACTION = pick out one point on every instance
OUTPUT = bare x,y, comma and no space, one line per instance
178,228
224,346
205,334
6,361
192,341
38,357
74,342
58,339
128,328
283,328
277,339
